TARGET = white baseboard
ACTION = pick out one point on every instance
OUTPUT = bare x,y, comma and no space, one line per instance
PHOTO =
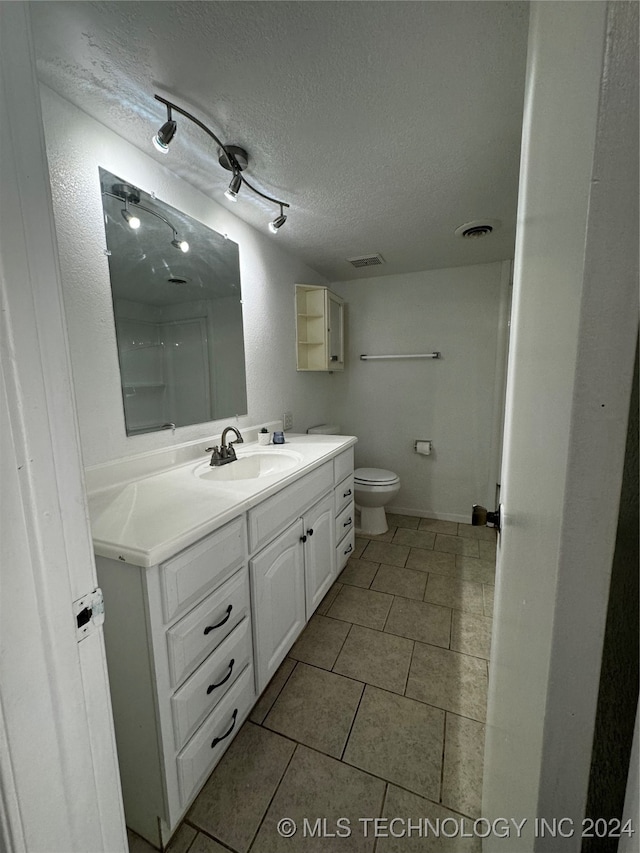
429,513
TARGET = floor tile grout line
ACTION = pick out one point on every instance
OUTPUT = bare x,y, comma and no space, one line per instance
444,751
286,681
277,788
380,814
346,636
406,681
353,720
207,835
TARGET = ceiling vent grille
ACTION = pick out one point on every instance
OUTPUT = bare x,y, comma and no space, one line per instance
366,261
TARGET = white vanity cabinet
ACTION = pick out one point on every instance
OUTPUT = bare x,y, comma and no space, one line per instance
289,580
180,657
192,641
290,576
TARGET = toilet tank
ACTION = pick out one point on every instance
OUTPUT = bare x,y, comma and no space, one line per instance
324,429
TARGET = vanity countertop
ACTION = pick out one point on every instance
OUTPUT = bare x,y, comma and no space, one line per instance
148,518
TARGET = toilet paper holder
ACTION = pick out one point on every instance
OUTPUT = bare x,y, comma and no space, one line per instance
423,446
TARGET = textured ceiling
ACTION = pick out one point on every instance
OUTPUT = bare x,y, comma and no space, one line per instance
384,124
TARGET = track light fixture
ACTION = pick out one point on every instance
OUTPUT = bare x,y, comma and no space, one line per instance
230,157
278,222
130,194
234,187
179,244
130,218
166,133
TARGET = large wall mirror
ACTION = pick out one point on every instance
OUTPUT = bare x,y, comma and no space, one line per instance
177,305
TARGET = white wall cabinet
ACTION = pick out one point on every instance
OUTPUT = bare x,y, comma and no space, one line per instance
192,642
319,329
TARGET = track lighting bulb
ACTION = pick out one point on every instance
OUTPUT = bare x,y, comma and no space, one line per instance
277,223
164,136
131,219
234,187
180,244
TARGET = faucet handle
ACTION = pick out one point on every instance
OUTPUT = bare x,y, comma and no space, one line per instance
216,456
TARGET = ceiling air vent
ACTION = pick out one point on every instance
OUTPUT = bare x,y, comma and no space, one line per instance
366,261
477,229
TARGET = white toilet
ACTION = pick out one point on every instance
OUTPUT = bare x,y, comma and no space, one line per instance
374,488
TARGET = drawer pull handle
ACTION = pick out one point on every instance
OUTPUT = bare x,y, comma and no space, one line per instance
349,549
348,522
225,679
226,619
217,740
347,493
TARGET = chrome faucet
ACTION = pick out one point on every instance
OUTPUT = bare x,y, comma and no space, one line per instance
226,452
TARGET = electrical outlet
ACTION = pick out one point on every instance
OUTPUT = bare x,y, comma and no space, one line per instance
287,420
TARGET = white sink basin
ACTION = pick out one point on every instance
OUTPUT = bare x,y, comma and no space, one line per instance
249,466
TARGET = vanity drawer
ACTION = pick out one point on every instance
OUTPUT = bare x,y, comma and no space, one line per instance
279,511
199,756
344,493
202,567
195,636
345,549
343,465
199,695
345,521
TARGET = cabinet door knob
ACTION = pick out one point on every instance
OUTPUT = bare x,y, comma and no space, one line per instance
303,538
226,619
226,734
310,531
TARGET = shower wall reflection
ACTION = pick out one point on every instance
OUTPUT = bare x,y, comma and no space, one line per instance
178,315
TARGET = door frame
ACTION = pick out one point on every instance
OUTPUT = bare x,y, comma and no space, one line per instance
58,763
571,360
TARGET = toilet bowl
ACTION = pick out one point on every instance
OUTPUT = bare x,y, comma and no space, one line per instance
374,488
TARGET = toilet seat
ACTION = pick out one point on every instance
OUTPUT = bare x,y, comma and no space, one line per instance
375,477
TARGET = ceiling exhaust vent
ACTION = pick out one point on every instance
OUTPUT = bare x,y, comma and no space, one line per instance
477,229
366,261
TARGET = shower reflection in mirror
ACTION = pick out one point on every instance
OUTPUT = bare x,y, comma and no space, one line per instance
175,287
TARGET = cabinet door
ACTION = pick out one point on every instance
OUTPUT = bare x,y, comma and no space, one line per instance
319,552
277,579
335,313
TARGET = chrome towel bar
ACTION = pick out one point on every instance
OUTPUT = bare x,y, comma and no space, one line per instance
415,355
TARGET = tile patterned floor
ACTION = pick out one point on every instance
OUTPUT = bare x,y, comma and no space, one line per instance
377,712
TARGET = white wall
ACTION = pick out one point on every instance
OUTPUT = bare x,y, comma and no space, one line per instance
462,312
76,146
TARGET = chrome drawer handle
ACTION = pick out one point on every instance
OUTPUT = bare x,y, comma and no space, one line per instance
226,619
349,549
226,678
348,522
217,740
347,494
